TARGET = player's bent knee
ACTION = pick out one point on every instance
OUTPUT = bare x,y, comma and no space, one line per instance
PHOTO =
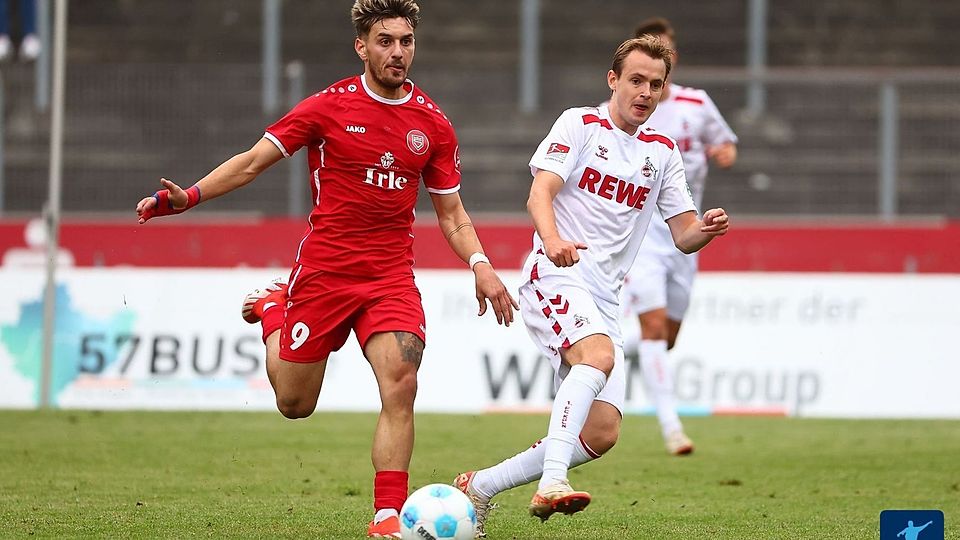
602,429
294,408
604,363
653,325
653,332
607,442
602,440
609,435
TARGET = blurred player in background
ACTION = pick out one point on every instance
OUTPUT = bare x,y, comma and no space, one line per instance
30,45
657,289
598,179
370,140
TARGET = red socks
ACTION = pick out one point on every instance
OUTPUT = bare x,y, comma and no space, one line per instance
272,320
390,489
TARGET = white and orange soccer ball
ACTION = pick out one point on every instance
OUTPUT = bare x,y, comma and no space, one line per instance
438,511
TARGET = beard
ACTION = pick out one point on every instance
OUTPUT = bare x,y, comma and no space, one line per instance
383,79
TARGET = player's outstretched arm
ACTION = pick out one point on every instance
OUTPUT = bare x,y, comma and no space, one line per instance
691,234
459,232
236,172
546,186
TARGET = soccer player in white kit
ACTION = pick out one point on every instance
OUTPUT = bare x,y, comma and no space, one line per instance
598,179
657,288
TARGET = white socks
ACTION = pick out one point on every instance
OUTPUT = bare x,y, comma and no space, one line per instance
658,380
523,468
570,409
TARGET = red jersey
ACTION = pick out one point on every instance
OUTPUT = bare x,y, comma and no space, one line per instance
367,155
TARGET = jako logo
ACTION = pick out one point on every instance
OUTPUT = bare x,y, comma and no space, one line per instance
356,129
385,180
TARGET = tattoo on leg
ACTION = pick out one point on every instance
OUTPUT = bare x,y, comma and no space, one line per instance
411,348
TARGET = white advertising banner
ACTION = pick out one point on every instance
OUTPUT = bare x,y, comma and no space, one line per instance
840,345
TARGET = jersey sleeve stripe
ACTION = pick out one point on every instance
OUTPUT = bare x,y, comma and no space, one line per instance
269,136
655,138
690,99
444,191
594,119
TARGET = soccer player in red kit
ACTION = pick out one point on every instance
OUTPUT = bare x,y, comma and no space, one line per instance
370,139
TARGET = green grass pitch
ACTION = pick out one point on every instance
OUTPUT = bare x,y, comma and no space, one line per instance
244,475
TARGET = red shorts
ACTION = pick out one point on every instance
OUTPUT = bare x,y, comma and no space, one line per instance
322,308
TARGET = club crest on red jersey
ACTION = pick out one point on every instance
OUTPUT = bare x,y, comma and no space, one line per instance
386,160
417,142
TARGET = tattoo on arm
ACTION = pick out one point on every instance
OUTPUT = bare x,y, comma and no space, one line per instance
411,348
457,229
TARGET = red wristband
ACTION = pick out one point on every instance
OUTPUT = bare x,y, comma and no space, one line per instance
193,196
165,208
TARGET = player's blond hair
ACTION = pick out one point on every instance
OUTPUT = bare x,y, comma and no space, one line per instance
657,26
650,45
366,13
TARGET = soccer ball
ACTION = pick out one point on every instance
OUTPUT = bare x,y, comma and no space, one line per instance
438,511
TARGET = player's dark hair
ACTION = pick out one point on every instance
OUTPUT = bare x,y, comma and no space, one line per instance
649,44
366,13
657,26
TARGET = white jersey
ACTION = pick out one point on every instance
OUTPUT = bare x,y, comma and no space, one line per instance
690,118
612,181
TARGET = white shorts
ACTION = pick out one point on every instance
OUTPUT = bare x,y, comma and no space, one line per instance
658,281
558,311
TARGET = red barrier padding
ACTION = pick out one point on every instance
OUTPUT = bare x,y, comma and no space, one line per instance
805,247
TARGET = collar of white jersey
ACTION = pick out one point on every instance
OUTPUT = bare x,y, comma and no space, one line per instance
381,99
605,115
